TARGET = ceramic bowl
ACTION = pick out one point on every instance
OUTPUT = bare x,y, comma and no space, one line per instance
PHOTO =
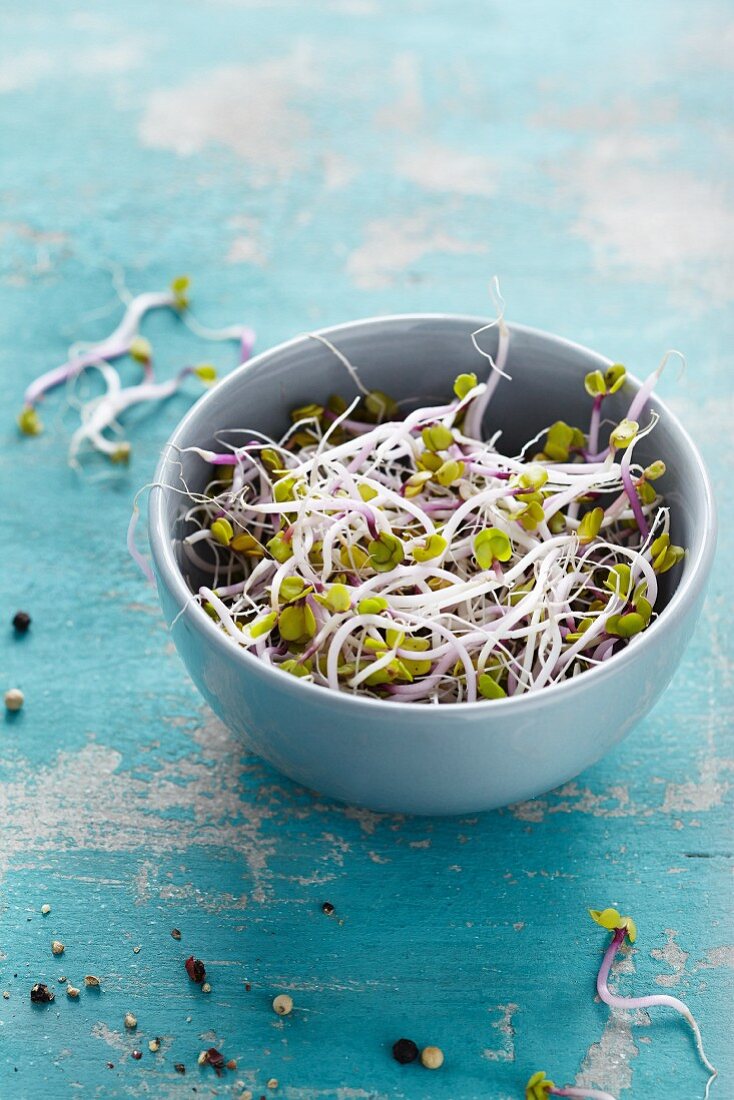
408,757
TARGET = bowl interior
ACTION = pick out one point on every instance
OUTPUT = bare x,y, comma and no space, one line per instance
415,359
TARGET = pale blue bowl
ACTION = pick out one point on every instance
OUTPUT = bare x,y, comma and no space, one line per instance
412,758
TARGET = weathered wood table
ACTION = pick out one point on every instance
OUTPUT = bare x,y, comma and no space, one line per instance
307,164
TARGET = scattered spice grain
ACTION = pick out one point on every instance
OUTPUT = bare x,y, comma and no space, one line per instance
195,969
14,699
404,1051
283,1004
41,994
432,1057
21,621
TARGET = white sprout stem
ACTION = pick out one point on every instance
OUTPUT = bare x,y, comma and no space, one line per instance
658,1000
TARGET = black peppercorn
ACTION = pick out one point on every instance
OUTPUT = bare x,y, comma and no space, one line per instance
179,1067
404,1051
137,1055
175,933
21,621
327,908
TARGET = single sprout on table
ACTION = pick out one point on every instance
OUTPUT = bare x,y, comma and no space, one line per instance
100,414
399,555
625,928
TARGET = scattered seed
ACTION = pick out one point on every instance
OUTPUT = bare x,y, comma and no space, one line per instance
175,933
41,994
206,988
72,991
91,980
215,1059
6,995
246,1095
21,621
195,969
283,1004
248,987
61,979
110,1065
57,947
131,1022
404,1051
45,909
432,1057
154,1045
137,1055
273,1083
179,1067
203,1058
327,908
136,950
231,1064
14,699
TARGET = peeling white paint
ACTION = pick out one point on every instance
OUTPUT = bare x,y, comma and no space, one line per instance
114,1039
437,167
506,1051
255,111
717,957
406,112
673,956
86,800
608,1063
246,250
391,246
700,795
645,220
711,45
29,68
338,171
24,70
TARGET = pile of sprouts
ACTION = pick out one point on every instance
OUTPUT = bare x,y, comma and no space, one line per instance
99,427
401,556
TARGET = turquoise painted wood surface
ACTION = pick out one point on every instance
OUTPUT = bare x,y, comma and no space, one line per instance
308,163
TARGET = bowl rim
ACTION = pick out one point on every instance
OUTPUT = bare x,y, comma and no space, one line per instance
169,574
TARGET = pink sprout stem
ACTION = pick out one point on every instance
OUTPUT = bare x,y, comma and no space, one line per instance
106,351
631,491
658,1000
112,347
594,424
